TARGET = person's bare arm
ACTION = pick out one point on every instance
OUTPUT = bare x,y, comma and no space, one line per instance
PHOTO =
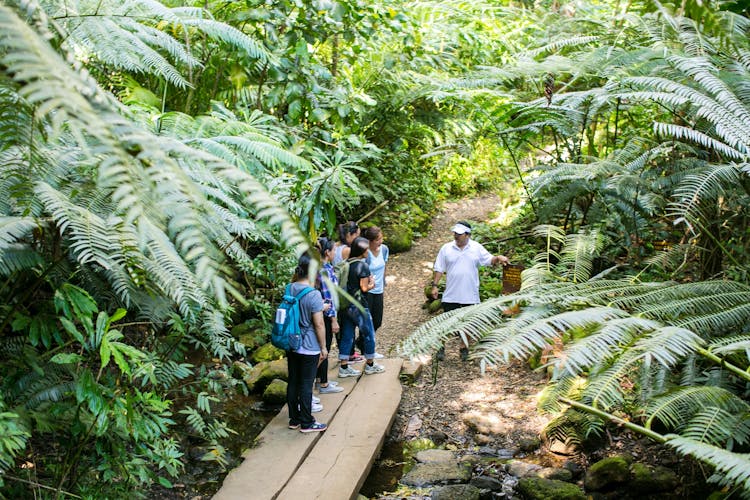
320,333
436,276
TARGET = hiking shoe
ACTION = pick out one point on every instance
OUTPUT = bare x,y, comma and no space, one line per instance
293,426
348,372
315,427
464,354
356,358
315,400
330,383
377,355
330,389
315,408
373,369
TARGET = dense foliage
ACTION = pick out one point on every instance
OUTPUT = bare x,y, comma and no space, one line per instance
161,164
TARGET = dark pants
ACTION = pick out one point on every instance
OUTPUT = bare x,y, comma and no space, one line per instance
375,301
302,368
452,306
322,374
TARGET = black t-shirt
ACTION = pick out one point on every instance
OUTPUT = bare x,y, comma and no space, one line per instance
358,269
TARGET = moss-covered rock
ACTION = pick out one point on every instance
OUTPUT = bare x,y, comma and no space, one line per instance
398,238
651,479
241,329
538,488
241,370
435,306
275,392
608,473
263,373
266,352
456,492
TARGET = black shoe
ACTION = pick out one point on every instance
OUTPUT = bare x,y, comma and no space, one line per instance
464,354
440,354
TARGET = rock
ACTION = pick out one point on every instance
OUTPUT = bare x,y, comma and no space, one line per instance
574,468
528,444
434,456
425,474
398,238
263,373
505,454
485,423
435,306
519,468
538,488
275,393
411,429
410,372
241,370
561,448
241,329
487,483
482,439
438,437
608,473
266,352
652,479
555,473
488,450
456,492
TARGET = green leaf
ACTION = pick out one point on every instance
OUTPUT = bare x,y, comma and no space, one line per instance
165,482
66,358
72,330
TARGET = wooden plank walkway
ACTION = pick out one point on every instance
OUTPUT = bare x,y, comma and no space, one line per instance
334,464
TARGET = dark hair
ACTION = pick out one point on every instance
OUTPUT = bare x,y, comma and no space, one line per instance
372,233
359,246
324,245
464,223
303,266
347,228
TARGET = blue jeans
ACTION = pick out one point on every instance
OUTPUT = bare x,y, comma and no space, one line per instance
302,368
354,318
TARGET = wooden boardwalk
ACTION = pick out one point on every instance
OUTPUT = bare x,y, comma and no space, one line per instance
289,465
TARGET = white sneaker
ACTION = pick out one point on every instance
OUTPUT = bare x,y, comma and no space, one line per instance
373,369
348,372
316,408
331,389
315,400
377,355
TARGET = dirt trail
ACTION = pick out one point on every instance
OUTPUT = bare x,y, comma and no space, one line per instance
506,395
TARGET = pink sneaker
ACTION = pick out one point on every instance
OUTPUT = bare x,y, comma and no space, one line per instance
356,358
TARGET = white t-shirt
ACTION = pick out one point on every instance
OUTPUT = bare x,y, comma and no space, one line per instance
461,269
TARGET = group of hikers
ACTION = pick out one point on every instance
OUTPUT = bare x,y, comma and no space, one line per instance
323,315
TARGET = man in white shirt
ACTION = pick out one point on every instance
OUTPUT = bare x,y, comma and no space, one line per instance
460,260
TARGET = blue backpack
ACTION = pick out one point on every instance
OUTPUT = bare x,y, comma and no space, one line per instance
286,333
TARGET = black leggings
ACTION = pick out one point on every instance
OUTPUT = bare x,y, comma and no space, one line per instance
322,373
375,301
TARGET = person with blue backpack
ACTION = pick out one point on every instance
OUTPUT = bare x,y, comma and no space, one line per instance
303,360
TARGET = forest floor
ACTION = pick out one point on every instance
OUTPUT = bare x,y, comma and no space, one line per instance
447,398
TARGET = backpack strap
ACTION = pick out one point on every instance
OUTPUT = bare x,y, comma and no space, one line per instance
304,292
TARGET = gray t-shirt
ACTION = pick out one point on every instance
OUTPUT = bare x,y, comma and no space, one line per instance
310,303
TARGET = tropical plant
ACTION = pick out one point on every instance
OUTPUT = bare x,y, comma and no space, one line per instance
669,355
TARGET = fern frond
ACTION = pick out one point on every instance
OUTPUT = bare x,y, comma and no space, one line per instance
733,468
676,408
